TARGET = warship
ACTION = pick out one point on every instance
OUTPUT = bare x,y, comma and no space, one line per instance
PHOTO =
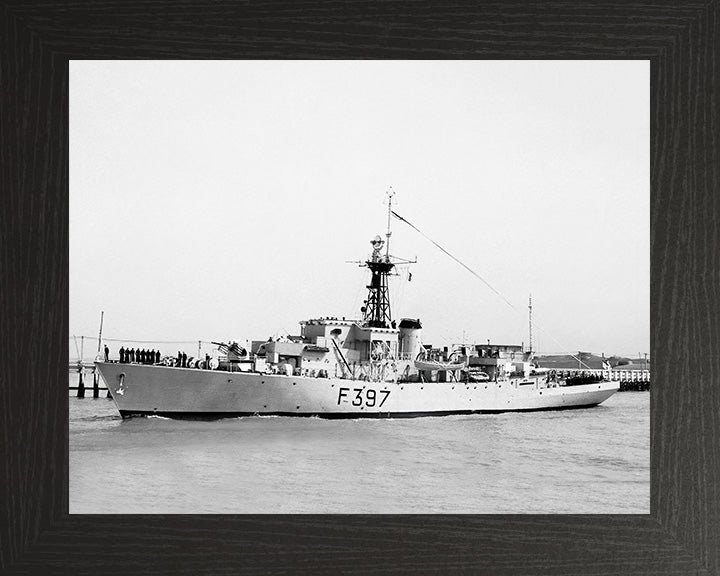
369,367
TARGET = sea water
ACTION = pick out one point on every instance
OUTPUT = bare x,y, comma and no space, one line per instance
594,460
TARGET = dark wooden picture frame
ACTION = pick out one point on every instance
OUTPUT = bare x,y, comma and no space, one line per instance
681,535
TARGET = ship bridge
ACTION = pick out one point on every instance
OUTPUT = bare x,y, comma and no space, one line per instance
352,337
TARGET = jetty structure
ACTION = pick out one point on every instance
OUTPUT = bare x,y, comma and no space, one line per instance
371,367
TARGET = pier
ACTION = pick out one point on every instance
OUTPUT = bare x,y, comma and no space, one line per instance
630,380
83,387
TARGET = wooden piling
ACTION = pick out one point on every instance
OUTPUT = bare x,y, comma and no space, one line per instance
81,385
636,386
96,388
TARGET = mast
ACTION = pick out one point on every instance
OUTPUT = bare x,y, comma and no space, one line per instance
530,320
376,309
390,193
376,312
102,314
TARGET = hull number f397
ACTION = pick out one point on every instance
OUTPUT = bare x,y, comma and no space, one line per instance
363,397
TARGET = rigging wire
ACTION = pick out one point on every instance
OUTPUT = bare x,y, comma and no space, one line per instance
458,261
510,304
134,341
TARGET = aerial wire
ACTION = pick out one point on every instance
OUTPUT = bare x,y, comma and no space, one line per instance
134,341
497,292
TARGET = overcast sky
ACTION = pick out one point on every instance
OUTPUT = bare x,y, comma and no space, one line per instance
221,200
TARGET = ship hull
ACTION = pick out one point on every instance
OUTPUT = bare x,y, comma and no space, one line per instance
189,393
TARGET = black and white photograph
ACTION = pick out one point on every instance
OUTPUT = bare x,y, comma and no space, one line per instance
359,287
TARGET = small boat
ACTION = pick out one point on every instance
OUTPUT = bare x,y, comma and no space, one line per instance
426,365
477,376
